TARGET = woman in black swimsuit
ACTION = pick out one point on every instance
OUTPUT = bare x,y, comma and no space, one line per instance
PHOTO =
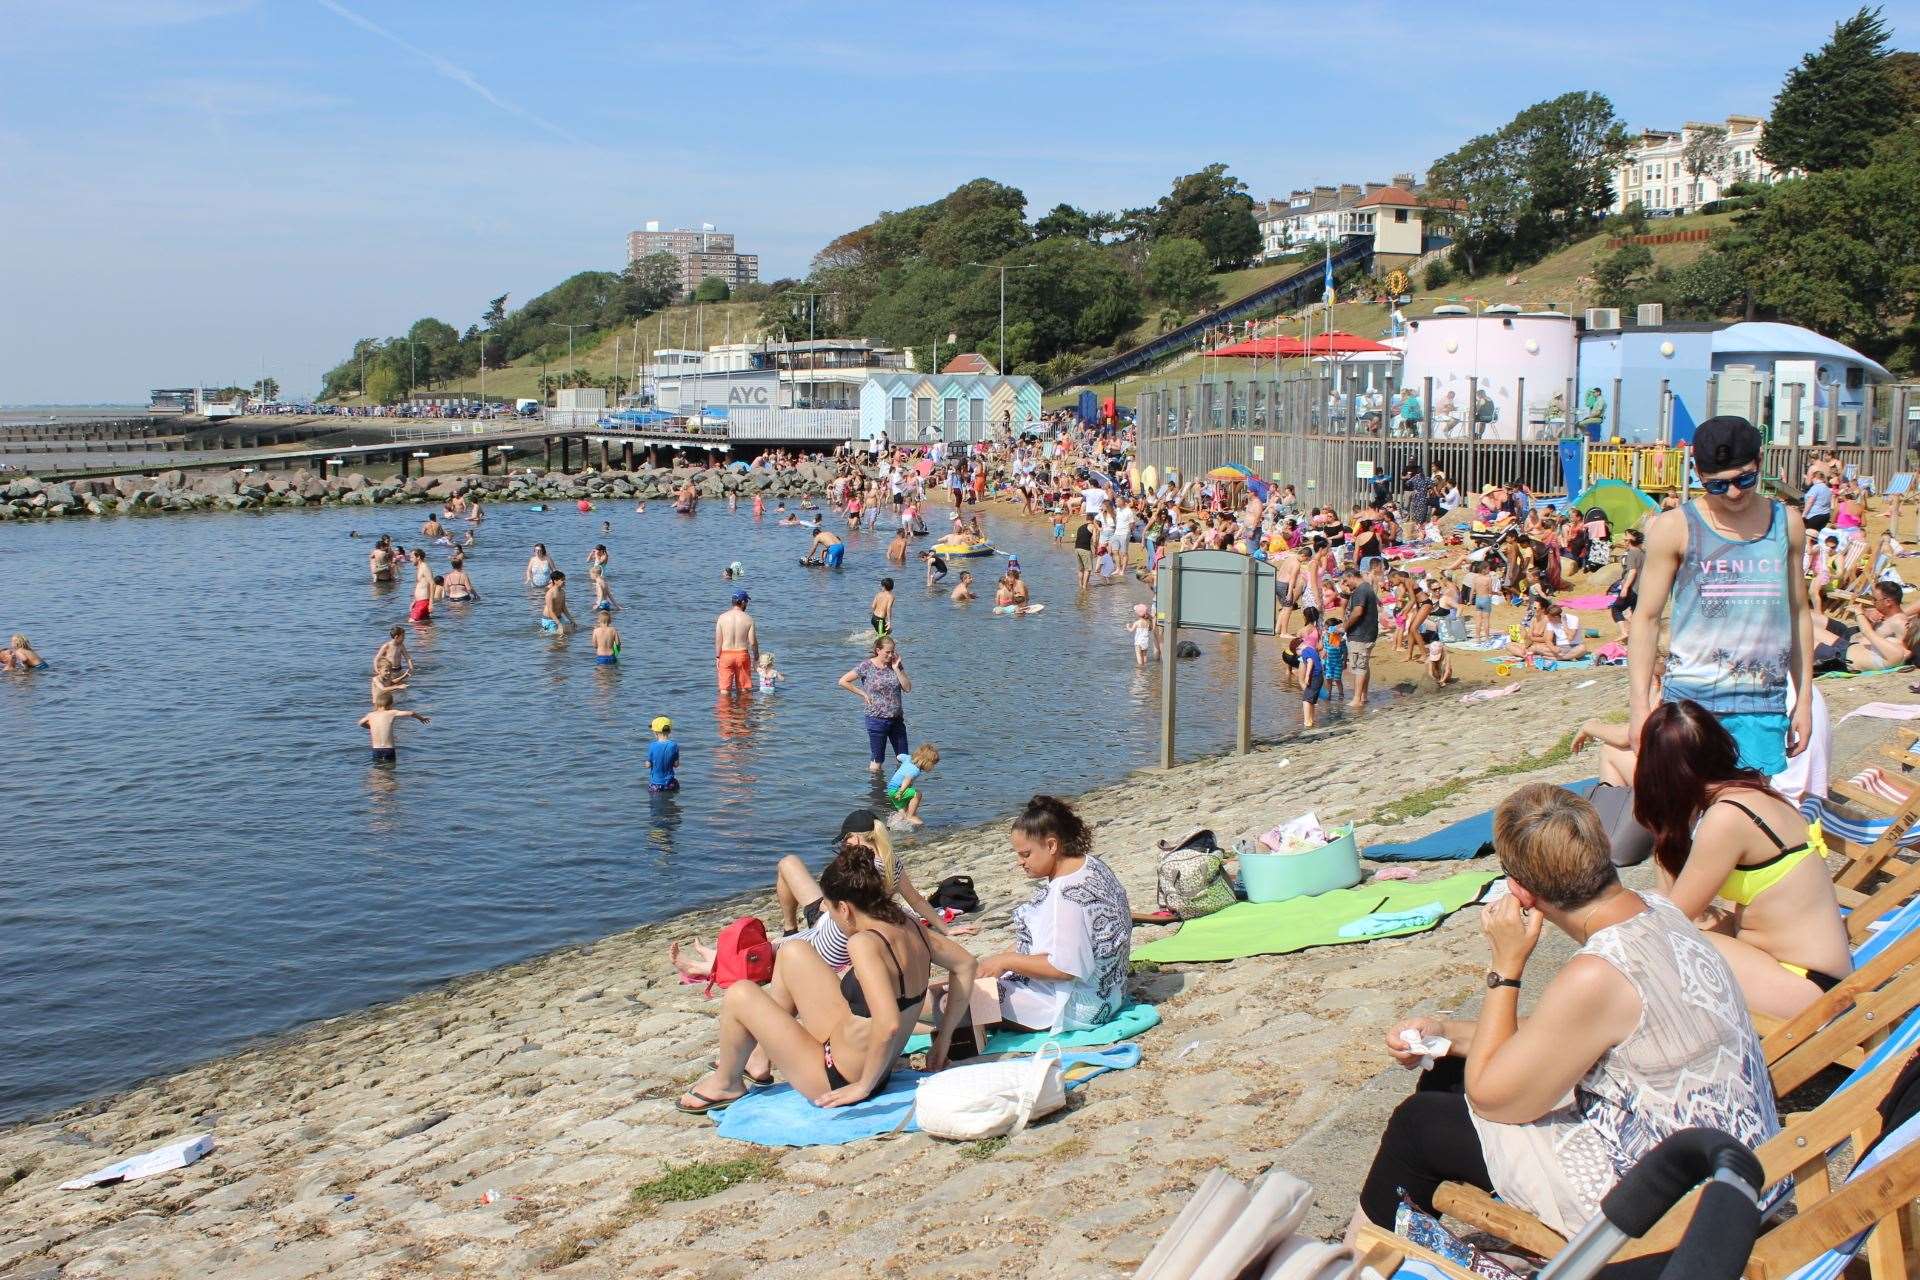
836,1039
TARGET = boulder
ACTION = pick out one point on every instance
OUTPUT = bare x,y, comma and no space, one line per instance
213,486
353,480
24,488
170,479
60,495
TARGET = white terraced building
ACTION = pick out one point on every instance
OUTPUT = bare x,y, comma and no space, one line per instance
1656,172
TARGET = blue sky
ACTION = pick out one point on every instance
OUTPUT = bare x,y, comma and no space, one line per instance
203,189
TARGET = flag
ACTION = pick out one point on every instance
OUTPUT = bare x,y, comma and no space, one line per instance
1327,289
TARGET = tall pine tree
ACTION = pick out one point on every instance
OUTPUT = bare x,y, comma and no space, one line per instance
1837,102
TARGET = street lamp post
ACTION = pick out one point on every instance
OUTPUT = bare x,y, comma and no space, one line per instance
570,328
1003,269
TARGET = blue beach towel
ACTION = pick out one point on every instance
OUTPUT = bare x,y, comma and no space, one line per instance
781,1117
1461,839
1132,1019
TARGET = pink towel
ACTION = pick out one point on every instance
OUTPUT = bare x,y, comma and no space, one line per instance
1612,651
1587,602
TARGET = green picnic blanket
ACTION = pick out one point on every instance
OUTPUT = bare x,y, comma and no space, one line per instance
1855,675
1276,928
1132,1019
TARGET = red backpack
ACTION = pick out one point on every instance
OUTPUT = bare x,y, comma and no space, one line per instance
742,951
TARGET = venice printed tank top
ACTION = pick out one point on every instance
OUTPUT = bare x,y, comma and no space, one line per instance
1732,632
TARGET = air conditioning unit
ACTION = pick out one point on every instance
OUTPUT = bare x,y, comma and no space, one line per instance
1650,315
1603,317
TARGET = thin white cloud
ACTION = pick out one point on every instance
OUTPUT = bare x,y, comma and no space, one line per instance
459,75
235,98
127,13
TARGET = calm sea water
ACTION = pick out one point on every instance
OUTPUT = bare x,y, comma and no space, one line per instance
196,850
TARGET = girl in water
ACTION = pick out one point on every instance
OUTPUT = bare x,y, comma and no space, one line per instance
539,567
19,655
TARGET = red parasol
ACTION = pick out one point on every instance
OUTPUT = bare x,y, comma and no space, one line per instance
1336,343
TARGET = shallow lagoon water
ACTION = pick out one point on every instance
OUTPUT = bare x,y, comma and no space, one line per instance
196,850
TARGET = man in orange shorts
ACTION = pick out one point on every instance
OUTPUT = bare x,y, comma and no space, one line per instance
735,646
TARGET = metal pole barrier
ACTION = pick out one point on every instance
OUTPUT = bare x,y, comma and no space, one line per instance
1567,417
1169,644
1519,409
1473,434
1795,392
1249,578
1426,425
1615,408
1666,412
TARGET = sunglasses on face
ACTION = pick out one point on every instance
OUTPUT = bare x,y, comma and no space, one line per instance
1744,481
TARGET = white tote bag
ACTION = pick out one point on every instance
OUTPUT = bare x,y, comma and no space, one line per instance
990,1099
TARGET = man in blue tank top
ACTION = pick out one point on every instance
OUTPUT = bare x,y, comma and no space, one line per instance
1741,643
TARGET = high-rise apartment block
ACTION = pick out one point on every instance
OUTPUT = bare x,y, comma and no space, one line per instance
701,253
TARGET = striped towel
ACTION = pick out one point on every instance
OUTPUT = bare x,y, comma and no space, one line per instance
1875,780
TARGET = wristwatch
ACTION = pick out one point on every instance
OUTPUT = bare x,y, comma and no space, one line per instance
1495,981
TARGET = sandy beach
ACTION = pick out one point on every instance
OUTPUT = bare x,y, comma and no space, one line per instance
364,1146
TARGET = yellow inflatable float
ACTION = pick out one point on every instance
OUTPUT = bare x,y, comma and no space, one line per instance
953,549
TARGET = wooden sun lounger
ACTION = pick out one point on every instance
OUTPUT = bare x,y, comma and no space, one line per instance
1826,1217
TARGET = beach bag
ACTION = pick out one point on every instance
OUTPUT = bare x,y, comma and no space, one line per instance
990,1099
1193,880
1228,1230
743,952
1453,629
1632,844
955,893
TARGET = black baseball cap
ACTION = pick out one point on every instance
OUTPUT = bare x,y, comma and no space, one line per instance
858,823
1725,442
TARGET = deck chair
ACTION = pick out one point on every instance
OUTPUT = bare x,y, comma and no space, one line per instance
1844,1025
1878,1196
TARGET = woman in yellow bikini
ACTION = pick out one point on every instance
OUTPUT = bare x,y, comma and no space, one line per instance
1721,832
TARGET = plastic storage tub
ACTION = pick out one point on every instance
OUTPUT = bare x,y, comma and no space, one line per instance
1275,877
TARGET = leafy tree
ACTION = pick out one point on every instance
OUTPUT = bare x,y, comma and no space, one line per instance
1538,182
496,312
1177,274
384,384
1213,207
1903,68
1708,288
649,284
265,389
1436,277
1618,277
1075,224
1839,250
1839,99
712,289
1706,155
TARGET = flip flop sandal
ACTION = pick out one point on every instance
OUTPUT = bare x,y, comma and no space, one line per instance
753,1081
713,1104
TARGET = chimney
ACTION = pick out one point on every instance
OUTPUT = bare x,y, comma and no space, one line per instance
1404,181
1375,186
1349,191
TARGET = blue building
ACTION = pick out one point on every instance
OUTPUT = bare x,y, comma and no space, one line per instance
1763,371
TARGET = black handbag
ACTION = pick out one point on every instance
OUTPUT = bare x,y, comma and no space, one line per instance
955,893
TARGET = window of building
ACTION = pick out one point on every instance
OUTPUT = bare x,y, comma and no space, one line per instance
1856,378
1399,215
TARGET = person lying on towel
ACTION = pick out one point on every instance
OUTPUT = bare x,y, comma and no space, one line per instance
1642,1033
836,1038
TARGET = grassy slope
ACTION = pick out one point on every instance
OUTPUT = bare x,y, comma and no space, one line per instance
1562,279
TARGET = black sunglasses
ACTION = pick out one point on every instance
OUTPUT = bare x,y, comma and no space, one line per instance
1744,481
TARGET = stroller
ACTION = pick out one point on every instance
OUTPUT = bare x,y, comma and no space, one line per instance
1600,541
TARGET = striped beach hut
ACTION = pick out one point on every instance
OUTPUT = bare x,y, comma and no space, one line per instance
918,408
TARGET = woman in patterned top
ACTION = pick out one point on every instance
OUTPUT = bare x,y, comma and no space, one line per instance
1072,939
1642,1033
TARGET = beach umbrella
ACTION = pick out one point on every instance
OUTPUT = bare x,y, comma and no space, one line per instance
737,466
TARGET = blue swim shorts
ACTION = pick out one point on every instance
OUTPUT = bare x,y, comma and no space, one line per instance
836,554
1761,737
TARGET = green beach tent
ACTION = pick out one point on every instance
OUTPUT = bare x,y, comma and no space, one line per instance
1625,505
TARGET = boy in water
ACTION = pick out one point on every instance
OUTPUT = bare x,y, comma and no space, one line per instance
901,789
881,610
663,757
964,592
379,725
606,640
392,664
554,610
602,596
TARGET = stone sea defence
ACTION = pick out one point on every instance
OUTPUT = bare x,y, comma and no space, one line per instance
164,491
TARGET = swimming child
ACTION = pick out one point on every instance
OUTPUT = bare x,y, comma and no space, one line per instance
881,611
379,725
964,592
19,654
606,526
1059,529
1312,675
663,757
936,566
392,664
769,678
640,507
902,789
732,571
606,641
603,600
1141,629
759,506
597,558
